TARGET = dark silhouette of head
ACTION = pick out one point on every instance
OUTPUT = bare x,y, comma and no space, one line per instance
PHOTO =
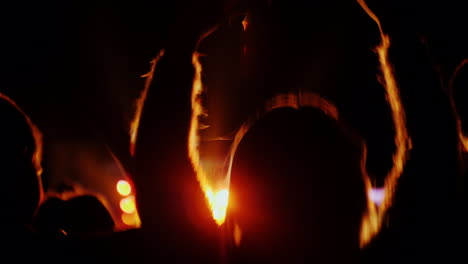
296,192
20,184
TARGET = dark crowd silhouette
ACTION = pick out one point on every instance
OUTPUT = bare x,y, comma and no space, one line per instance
297,194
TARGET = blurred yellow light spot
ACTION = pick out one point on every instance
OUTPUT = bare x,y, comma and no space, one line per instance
124,188
128,204
131,219
219,203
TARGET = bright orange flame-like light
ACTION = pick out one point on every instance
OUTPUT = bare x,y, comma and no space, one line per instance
219,205
134,125
372,221
217,198
123,187
245,22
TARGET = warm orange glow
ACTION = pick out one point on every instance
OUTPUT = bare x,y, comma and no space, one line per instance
217,197
219,202
131,219
372,220
63,232
127,204
237,234
37,156
37,135
215,182
140,103
463,139
302,99
124,188
214,175
95,176
245,22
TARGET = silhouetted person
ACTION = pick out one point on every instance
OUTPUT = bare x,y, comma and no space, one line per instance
174,215
176,223
83,216
423,53
20,184
296,192
31,229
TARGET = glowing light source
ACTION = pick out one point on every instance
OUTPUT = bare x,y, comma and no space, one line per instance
217,200
245,22
128,205
123,187
63,232
376,195
131,219
219,205
214,176
215,182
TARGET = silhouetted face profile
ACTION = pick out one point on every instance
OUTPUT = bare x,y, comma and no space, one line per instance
20,184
